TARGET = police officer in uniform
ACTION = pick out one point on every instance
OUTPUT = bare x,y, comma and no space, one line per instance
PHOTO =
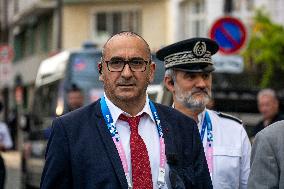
188,77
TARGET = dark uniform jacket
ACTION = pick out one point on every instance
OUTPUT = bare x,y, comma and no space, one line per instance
81,154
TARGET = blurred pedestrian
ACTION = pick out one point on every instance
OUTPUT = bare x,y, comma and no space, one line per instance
267,158
5,144
268,106
75,98
188,77
13,125
124,140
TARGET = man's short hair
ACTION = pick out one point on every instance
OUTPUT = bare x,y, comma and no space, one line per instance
267,92
170,73
74,88
126,33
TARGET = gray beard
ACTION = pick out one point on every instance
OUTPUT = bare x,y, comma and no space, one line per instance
187,99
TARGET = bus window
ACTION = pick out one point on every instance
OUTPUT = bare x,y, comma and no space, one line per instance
44,105
83,73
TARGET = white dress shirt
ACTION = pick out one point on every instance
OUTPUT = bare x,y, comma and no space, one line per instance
147,129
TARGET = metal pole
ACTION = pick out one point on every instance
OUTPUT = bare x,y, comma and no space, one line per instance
59,22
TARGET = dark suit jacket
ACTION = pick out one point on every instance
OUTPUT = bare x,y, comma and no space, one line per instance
260,125
81,154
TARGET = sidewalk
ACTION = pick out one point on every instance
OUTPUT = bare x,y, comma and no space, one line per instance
12,161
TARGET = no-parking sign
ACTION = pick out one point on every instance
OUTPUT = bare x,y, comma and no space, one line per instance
229,33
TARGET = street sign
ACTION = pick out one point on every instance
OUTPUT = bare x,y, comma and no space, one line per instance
229,33
228,63
6,54
5,74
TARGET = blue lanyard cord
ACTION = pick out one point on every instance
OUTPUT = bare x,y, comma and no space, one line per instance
108,119
111,126
207,124
156,118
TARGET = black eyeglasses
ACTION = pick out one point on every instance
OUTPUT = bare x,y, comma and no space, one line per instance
135,65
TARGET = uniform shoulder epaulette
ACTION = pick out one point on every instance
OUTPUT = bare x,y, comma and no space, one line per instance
230,117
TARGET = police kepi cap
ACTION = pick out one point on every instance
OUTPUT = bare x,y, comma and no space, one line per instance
191,55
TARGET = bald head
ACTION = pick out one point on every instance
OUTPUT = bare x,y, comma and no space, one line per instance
123,35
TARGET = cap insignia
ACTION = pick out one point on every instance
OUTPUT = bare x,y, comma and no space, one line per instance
199,48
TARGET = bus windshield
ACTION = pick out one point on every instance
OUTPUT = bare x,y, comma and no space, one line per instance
83,72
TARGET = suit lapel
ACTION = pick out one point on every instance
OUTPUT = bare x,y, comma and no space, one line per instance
170,143
113,155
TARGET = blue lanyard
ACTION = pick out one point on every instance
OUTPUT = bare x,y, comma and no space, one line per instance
111,126
207,124
109,120
156,118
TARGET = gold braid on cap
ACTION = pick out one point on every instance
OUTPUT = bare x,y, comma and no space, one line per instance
187,57
199,54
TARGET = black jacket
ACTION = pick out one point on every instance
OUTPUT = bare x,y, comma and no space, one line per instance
260,125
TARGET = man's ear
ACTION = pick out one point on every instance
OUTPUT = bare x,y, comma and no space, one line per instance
152,72
100,69
169,83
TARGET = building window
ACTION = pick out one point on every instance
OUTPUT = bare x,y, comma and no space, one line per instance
33,38
193,18
250,4
111,22
19,42
16,6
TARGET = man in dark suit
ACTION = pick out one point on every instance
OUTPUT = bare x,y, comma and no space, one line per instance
124,140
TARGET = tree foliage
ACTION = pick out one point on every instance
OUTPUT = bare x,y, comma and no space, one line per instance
265,50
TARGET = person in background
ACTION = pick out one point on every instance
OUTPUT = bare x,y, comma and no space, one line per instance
75,98
12,123
188,77
5,144
268,106
267,158
124,140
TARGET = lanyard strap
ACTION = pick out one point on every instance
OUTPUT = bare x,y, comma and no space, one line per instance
116,139
207,124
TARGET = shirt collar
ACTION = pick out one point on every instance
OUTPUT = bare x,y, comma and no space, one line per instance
116,111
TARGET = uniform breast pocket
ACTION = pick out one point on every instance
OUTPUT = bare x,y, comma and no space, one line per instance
226,166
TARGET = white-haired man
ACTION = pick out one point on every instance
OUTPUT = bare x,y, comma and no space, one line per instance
268,106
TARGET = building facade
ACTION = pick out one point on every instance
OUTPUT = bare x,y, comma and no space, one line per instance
40,28
37,29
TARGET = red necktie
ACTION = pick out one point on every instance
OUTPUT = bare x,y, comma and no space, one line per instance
140,164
